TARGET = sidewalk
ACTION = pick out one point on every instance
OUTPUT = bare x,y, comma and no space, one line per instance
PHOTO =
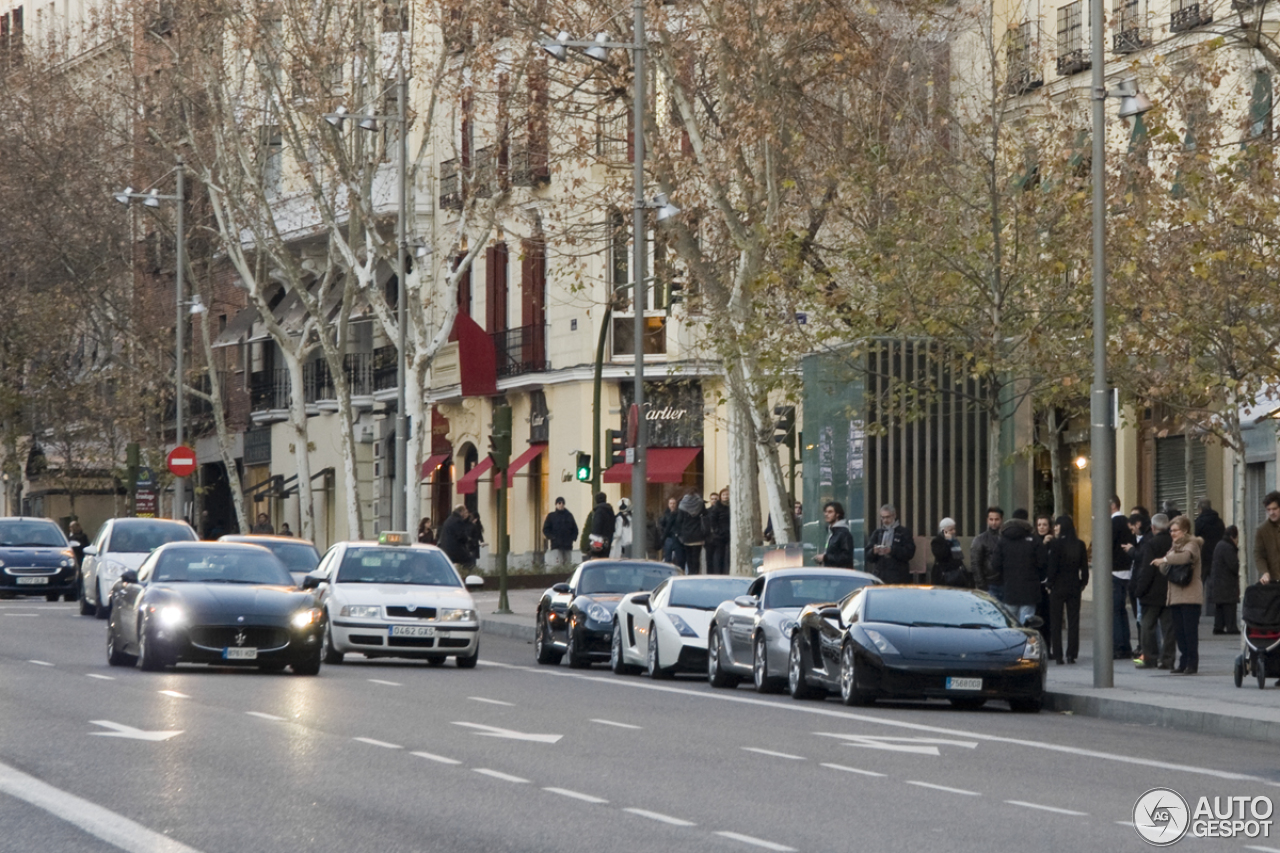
1208,702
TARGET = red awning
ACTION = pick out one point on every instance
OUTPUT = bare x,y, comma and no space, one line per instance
477,359
467,482
522,460
433,462
663,465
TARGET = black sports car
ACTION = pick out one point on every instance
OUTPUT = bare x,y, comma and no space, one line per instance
35,559
575,619
911,642
218,603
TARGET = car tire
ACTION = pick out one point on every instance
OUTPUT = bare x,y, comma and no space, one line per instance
329,654
967,703
577,659
654,656
543,647
617,663
469,661
86,609
760,677
148,655
715,672
436,660
1030,705
849,692
103,608
115,657
797,685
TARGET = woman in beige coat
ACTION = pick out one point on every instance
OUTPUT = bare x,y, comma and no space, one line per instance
1185,602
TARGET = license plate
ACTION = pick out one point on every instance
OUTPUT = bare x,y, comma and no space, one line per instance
411,631
964,683
33,581
239,653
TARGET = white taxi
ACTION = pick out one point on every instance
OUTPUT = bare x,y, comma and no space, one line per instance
396,598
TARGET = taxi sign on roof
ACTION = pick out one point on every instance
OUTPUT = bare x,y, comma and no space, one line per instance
394,537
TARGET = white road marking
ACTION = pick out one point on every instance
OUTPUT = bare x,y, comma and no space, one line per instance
387,683
915,745
758,842
175,694
853,770
121,730
945,788
1262,849
381,743
262,716
586,798
1128,823
674,821
495,731
101,677
617,725
1053,809
439,758
770,752
22,614
491,701
40,662
92,818
637,684
506,777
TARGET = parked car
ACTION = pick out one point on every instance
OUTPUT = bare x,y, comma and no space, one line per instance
36,559
750,636
575,619
396,598
122,543
909,642
215,603
299,556
665,631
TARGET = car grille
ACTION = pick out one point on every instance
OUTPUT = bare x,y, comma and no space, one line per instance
365,639
42,570
253,636
412,642
417,613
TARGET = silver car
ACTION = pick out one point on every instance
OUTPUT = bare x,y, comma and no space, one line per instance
750,636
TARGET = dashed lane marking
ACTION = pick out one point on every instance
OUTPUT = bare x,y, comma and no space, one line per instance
40,662
773,754
1053,809
662,818
757,842
586,798
263,716
101,677
616,725
853,770
945,788
1261,849
387,683
437,758
505,777
33,615
173,693
491,701
381,743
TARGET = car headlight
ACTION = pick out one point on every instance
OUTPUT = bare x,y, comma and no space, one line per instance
788,628
681,626
67,552
305,618
1031,651
599,613
460,615
171,616
881,643
361,611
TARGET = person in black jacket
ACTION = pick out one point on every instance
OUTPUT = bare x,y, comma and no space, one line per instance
718,533
1224,582
839,551
1155,629
692,531
669,532
1015,560
948,557
603,521
455,535
561,531
1210,528
1067,575
889,552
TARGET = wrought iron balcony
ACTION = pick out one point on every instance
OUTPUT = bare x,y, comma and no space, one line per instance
1073,61
269,390
386,368
527,165
484,178
521,350
1131,40
1023,80
450,185
1190,16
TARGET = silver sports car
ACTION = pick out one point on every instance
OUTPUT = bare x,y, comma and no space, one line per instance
750,636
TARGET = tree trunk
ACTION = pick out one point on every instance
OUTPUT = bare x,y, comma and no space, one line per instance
995,424
225,447
417,443
741,485
301,447
1055,462
1187,456
347,442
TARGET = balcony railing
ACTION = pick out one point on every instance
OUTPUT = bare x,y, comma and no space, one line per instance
1073,61
1023,80
269,390
521,350
318,383
450,185
1190,16
386,368
484,179
1131,40
527,165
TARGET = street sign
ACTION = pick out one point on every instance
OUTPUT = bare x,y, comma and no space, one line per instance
181,461
144,503
145,478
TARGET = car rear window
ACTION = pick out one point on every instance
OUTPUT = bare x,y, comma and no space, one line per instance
397,565
296,556
706,593
220,565
621,578
802,590
925,608
32,534
141,537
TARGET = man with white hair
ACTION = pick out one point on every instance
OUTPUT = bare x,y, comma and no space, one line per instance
1155,630
890,549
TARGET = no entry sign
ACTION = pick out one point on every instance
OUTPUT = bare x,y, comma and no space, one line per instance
181,461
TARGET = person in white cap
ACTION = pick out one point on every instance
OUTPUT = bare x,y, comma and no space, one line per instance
621,531
948,556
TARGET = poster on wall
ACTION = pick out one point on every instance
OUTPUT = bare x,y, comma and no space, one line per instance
673,412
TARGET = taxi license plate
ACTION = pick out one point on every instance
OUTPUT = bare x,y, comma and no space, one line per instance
239,653
411,631
964,683
33,581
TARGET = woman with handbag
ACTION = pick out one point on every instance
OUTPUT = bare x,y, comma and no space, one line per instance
948,557
1181,567
1066,576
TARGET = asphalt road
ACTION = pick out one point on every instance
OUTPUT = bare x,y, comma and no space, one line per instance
386,757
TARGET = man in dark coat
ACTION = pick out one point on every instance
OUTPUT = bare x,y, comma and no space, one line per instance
1210,528
455,536
888,553
839,551
603,521
984,545
561,531
1066,575
1224,583
669,532
691,529
1155,630
718,533
1015,560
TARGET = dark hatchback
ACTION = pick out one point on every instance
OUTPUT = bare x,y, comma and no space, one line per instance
905,642
36,559
215,603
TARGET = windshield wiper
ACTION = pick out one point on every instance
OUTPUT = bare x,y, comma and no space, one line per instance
978,625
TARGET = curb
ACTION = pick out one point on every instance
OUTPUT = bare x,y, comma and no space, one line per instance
503,628
1151,714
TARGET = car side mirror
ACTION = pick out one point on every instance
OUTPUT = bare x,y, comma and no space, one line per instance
128,576
90,551
1033,622
474,581
832,613
561,588
745,601
312,581
640,600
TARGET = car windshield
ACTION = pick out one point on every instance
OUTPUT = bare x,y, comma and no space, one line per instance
32,534
622,577
935,608
797,591
296,556
144,537
220,565
706,593
397,565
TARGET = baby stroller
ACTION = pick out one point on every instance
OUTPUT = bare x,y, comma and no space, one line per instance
1260,642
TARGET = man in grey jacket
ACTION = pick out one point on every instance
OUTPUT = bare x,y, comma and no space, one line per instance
984,545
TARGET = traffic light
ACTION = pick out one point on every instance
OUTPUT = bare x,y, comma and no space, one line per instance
785,426
615,447
584,467
500,438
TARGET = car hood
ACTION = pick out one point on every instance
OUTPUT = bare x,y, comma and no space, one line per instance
34,556
216,600
128,559
608,599
401,595
697,619
953,643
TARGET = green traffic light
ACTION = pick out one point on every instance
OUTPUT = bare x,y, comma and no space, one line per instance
584,467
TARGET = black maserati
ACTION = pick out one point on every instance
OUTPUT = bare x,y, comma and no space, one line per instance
215,603
911,642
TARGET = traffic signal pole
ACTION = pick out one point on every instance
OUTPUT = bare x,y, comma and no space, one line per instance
500,453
